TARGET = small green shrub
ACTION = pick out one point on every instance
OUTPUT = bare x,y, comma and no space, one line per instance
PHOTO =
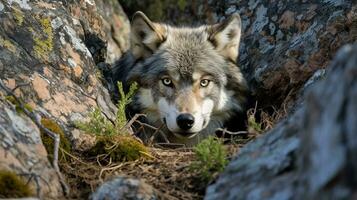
112,141
125,99
211,158
100,125
97,124
12,186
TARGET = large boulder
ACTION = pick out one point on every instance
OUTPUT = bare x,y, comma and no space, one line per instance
310,155
48,55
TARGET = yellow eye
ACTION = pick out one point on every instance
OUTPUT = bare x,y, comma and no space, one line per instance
204,82
167,82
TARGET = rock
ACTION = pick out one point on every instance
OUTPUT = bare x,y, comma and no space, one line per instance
22,151
124,188
43,48
310,155
49,51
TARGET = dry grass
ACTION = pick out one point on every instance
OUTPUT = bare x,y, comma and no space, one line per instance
167,170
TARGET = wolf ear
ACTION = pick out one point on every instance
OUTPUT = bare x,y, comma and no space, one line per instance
146,36
226,35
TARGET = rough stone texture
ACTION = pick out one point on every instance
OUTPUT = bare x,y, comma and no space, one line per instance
21,151
50,49
124,188
312,154
283,43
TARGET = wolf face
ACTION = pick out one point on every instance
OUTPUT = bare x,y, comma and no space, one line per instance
188,79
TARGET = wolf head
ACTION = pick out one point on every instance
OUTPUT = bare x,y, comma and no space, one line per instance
188,78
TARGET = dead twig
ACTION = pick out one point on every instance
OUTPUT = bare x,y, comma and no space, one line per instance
224,131
54,136
157,130
131,121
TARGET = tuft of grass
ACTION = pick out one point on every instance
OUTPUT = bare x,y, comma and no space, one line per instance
12,186
48,142
253,125
211,158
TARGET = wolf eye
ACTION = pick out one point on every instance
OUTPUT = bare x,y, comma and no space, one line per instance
167,82
204,82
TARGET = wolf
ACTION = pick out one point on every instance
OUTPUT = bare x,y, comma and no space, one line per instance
189,83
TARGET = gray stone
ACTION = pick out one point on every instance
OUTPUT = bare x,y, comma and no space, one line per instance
310,155
124,188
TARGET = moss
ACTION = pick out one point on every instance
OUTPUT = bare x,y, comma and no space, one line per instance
48,142
211,158
19,16
12,186
12,100
43,44
7,44
118,148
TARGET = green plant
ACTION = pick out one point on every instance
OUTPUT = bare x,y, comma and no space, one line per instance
211,158
100,125
125,99
112,141
97,124
12,186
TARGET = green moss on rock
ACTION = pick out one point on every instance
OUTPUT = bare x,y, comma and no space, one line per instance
12,186
12,100
48,142
118,148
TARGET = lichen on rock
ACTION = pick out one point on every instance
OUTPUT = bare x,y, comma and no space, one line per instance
43,43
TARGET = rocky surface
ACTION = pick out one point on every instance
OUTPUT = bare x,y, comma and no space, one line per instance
312,154
48,52
124,188
283,42
21,150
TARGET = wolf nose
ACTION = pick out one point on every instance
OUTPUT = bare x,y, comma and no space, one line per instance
185,121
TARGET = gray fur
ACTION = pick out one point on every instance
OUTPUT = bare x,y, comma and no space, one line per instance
182,51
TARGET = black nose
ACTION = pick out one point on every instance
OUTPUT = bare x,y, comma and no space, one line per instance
185,121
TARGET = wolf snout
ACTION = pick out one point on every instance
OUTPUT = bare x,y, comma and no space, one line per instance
185,121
